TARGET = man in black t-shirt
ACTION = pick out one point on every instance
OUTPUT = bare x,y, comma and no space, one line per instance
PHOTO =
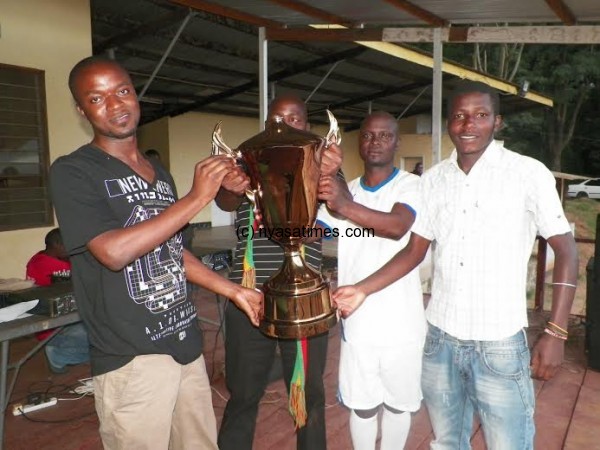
121,223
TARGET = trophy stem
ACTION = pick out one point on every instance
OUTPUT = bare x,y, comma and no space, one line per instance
297,301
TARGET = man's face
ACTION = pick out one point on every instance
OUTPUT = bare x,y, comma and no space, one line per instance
293,113
472,122
61,251
378,141
106,98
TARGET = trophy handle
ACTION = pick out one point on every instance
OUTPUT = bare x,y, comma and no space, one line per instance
334,135
219,147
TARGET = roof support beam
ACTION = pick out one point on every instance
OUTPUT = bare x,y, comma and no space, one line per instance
418,12
220,10
167,52
562,11
324,34
577,34
311,11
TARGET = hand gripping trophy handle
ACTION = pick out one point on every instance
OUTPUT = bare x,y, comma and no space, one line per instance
219,147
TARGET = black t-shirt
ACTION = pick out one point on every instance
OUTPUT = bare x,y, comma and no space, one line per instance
144,308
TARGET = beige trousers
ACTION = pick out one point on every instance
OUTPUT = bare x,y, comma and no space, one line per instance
155,403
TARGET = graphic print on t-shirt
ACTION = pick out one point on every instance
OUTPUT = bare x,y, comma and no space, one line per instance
156,279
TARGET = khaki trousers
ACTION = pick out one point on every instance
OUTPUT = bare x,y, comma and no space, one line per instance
155,403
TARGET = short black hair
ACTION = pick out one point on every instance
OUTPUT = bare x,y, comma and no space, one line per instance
467,87
84,64
289,97
53,238
383,115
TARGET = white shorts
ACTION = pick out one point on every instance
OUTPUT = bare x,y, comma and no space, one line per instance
370,376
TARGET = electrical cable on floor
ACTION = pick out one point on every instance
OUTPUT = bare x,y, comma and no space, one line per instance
85,388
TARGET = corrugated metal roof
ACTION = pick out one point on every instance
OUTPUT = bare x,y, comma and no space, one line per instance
214,64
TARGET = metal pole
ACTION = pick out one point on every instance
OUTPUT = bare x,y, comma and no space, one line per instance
412,102
263,76
322,81
3,396
167,52
436,105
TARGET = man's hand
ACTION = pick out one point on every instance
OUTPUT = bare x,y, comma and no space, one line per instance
334,192
236,181
251,302
208,176
546,357
347,299
331,160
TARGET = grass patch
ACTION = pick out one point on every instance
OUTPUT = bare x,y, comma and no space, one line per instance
583,212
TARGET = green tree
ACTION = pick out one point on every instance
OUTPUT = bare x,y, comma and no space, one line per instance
567,73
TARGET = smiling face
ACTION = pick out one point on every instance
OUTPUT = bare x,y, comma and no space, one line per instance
378,140
106,97
472,123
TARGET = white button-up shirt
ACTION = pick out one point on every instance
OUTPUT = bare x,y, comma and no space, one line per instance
483,226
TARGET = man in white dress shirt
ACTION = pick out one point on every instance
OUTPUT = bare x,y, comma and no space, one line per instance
483,207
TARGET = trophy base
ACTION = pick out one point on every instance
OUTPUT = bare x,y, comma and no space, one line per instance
289,316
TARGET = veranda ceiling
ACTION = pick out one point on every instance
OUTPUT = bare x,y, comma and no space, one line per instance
213,64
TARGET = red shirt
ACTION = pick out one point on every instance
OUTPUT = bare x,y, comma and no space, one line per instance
41,267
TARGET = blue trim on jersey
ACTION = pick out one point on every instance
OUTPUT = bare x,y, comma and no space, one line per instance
327,227
380,185
410,208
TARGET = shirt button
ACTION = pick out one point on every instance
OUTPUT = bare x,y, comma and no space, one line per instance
464,211
461,264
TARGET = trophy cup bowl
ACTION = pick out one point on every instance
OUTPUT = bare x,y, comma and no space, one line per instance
283,165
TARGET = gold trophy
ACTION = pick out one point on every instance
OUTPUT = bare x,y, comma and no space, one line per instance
283,165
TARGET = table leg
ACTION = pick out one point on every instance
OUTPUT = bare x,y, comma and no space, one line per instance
3,399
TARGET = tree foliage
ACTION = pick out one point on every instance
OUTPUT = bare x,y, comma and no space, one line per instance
569,74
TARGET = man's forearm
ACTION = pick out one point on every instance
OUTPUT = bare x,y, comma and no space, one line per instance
119,247
391,225
198,273
564,277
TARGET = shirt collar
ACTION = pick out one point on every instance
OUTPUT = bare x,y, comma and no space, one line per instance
491,154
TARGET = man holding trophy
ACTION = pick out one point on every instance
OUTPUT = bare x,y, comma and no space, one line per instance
250,352
382,339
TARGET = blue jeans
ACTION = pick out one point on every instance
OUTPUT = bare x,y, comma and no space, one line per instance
70,346
490,378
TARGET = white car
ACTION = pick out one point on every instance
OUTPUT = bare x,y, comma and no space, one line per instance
588,188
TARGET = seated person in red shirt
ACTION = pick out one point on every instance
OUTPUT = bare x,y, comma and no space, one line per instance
70,346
